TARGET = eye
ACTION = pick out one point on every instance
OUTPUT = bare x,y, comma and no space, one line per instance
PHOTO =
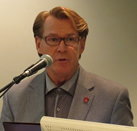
53,39
70,39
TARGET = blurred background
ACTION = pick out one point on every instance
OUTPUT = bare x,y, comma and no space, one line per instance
111,46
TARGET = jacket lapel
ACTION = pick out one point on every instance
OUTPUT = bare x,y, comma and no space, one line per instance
36,92
78,110
85,89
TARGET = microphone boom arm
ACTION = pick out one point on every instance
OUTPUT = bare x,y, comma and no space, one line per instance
45,61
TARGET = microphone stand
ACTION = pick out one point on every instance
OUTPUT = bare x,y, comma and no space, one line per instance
16,80
6,88
43,62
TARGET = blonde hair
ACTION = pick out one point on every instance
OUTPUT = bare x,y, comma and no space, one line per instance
60,13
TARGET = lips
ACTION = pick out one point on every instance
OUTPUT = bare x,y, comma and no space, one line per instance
62,60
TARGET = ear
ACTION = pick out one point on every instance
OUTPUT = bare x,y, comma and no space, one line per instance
38,44
82,44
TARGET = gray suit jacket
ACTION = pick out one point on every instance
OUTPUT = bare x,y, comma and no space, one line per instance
108,101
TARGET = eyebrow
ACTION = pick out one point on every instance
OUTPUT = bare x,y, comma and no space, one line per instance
52,34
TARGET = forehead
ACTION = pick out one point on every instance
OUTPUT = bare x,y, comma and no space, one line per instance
59,27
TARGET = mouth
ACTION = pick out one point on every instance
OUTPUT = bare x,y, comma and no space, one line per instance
62,60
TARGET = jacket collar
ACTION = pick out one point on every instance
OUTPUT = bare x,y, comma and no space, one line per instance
85,89
38,81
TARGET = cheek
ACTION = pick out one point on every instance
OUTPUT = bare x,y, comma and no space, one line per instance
49,51
75,53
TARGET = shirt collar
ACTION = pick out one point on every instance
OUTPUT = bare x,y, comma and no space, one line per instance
69,86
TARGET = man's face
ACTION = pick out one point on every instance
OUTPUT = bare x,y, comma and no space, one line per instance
65,58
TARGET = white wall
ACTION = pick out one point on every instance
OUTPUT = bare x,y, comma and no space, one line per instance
111,48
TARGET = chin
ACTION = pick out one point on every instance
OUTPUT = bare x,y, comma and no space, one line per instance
63,70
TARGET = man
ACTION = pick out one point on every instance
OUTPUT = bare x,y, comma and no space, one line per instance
65,89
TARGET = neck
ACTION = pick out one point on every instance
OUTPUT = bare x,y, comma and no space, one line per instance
59,79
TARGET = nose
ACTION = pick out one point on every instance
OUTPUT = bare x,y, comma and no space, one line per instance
62,47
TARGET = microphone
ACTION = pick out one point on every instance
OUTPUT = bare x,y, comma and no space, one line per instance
45,61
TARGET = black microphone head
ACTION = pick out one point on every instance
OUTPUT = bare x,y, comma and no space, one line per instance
48,59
